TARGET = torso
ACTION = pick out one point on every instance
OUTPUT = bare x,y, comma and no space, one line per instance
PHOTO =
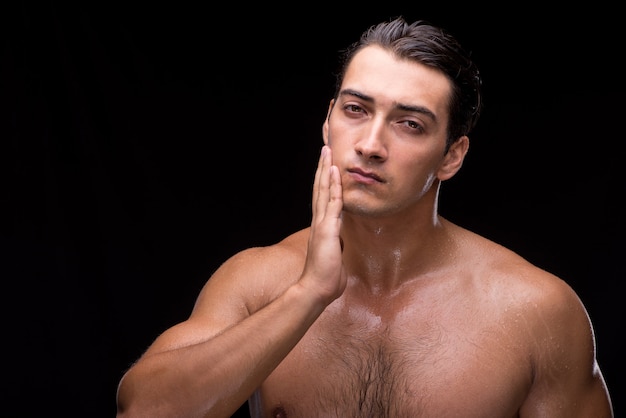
450,345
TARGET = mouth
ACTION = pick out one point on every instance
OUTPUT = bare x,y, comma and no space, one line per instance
364,176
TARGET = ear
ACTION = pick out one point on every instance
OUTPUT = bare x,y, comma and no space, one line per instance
325,125
453,160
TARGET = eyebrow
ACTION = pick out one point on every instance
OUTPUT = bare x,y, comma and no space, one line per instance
409,108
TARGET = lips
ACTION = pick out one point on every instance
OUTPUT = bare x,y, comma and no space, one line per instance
365,174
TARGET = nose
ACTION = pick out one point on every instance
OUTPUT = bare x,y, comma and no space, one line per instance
372,145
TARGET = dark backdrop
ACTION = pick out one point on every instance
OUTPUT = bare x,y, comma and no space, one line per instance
142,145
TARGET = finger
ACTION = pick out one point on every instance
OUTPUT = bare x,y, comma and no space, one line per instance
318,174
322,185
335,204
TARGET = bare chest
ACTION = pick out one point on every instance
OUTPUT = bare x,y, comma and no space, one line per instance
415,365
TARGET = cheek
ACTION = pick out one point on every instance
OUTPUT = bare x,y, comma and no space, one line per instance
325,133
428,182
420,177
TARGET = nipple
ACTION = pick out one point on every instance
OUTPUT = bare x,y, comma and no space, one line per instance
279,412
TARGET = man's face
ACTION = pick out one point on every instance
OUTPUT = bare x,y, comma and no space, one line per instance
387,131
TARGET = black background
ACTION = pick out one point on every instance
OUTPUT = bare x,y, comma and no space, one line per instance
142,145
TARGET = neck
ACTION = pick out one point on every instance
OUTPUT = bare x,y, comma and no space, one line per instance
384,254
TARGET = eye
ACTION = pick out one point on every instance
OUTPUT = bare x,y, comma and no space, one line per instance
414,126
353,108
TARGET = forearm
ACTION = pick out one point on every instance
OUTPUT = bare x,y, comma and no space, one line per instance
214,377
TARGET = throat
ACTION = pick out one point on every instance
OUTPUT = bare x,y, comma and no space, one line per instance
378,274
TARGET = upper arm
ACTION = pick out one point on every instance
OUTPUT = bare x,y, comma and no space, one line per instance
567,379
241,285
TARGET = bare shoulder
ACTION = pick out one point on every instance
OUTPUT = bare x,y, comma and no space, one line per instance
544,306
255,276
546,318
516,282
243,284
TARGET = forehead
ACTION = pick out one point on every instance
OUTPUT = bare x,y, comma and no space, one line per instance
377,73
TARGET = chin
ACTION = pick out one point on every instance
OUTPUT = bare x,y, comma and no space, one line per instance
362,208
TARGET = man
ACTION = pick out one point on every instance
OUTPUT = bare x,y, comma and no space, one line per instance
381,308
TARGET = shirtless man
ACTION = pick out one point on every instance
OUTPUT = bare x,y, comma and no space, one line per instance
381,308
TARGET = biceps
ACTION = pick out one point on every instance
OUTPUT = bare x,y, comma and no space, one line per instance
210,316
579,391
593,397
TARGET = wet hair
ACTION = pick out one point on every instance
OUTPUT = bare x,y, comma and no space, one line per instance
432,46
